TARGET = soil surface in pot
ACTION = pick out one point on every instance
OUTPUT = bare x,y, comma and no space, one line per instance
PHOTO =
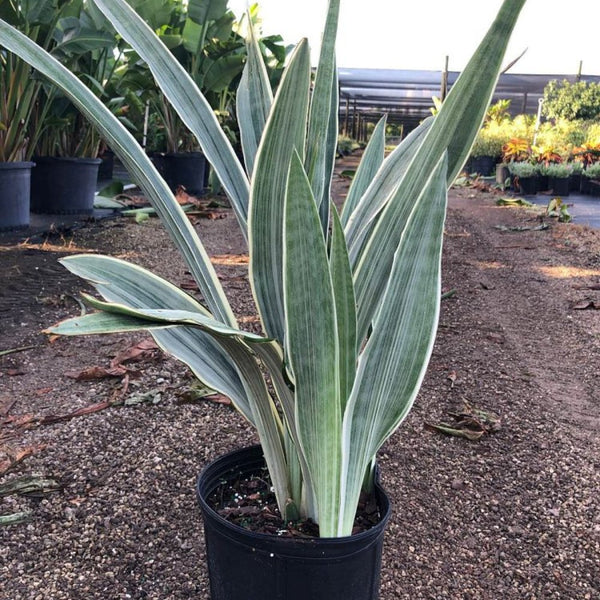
249,502
507,508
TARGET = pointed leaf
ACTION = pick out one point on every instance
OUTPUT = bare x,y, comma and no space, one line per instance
393,363
284,134
312,344
254,99
453,130
381,189
345,309
121,282
323,112
369,165
164,316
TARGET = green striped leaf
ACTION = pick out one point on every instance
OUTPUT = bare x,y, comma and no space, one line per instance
320,147
101,323
453,130
369,165
253,100
345,309
137,163
363,218
165,316
120,282
266,420
192,107
284,134
393,363
311,344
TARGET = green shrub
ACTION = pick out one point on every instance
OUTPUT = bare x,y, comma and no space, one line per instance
565,100
523,169
592,171
558,170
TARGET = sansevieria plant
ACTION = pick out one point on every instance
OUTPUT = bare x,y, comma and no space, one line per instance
348,302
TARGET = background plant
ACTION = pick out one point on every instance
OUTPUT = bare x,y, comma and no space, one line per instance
19,88
349,312
571,101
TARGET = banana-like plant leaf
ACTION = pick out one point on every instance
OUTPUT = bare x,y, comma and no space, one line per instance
253,100
393,363
192,107
206,10
367,169
284,134
136,162
312,345
453,130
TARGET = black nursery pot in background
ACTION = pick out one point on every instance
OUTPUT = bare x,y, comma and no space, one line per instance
15,183
244,565
560,186
64,186
185,169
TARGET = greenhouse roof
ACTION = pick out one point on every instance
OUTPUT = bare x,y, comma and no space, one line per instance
406,95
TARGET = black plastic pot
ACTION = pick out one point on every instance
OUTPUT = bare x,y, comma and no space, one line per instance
575,182
527,186
185,170
106,168
483,165
15,183
560,186
64,186
590,187
244,565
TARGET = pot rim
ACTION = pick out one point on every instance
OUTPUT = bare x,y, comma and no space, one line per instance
211,471
18,164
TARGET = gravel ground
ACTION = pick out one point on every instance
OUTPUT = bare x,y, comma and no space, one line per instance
513,515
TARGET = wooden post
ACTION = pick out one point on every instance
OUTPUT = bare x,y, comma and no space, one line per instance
347,116
578,76
444,83
524,107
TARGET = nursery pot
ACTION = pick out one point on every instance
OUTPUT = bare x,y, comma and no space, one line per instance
484,165
560,186
575,182
590,186
64,186
15,183
185,169
527,185
244,565
106,167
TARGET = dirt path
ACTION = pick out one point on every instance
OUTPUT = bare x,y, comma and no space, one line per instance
514,515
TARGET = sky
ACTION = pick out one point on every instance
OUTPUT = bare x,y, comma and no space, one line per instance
417,34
